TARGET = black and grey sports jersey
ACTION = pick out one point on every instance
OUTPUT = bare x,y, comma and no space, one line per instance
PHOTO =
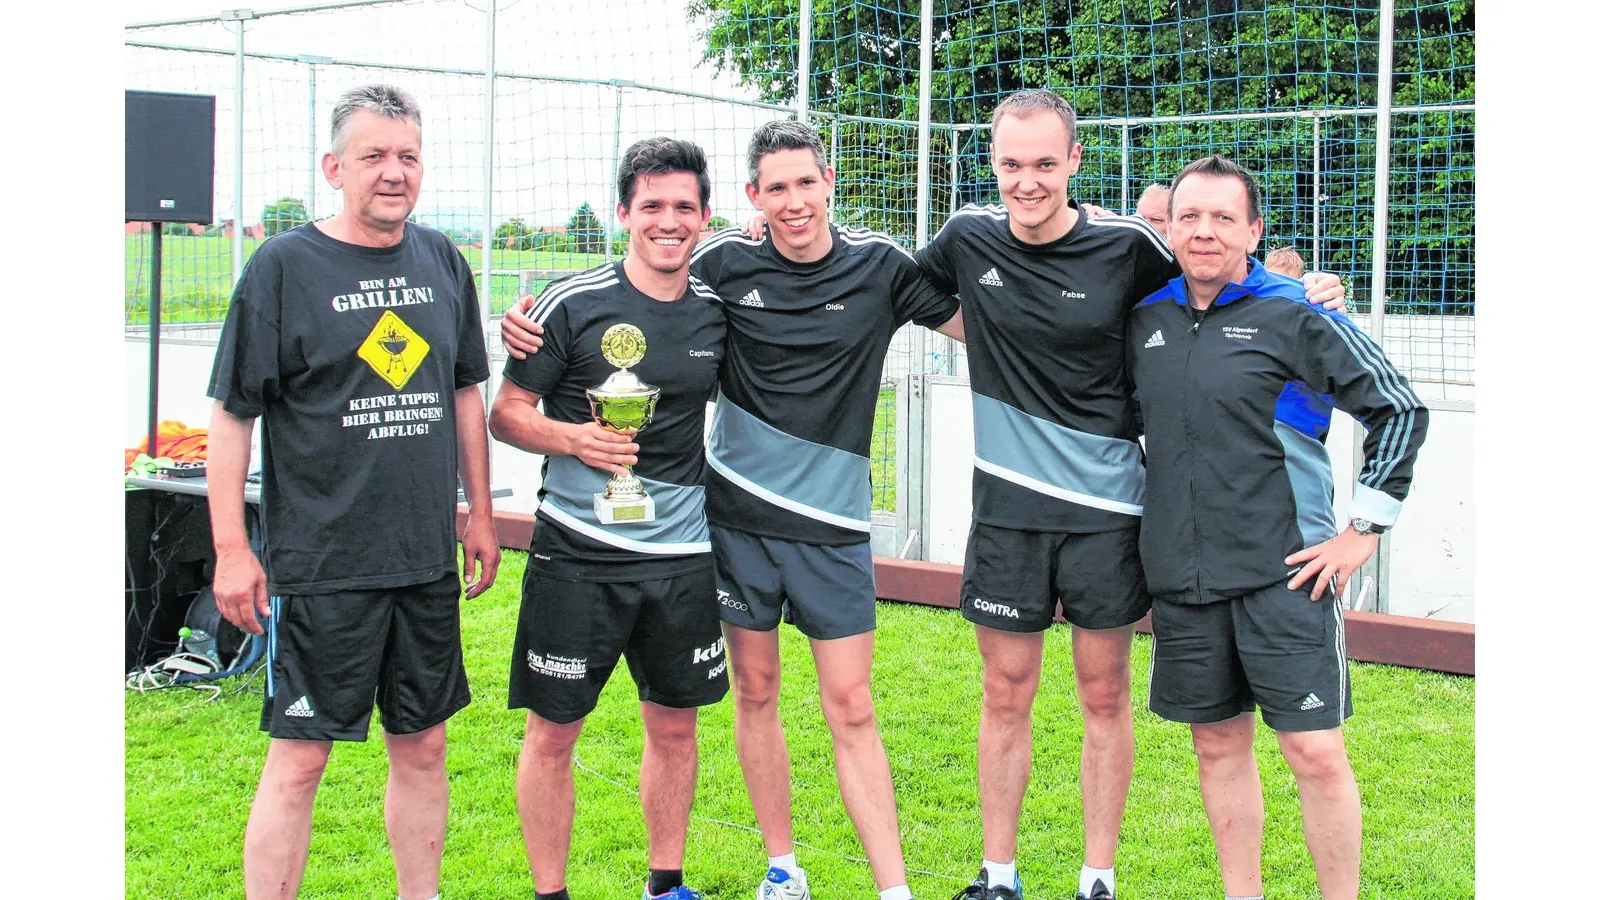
790,445
1053,420
1237,401
683,349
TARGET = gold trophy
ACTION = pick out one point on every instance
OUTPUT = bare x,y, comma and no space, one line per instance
623,405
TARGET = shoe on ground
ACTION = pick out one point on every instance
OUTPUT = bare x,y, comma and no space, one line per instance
1098,892
681,892
780,885
979,889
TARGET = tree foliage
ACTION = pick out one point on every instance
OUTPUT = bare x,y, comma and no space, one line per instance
1150,58
286,213
588,235
514,234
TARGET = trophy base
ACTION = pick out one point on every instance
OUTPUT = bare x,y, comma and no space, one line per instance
619,512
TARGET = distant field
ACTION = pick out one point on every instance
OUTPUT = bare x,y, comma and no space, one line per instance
197,275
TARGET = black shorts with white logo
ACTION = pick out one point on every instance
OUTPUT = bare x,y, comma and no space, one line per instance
330,655
827,592
1273,647
1014,580
570,635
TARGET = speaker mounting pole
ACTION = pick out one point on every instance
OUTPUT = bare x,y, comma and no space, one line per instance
155,330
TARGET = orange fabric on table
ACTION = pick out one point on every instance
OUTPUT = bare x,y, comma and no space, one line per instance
174,440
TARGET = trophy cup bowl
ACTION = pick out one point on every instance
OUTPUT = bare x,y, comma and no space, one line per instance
624,405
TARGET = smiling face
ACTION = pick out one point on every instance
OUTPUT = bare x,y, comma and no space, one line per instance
1212,232
1033,157
664,220
379,170
793,192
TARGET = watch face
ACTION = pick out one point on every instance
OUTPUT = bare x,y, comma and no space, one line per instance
1362,526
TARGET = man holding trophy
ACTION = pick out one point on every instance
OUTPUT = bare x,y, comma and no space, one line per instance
620,564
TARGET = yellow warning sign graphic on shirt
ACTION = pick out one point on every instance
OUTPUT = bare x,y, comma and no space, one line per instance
393,350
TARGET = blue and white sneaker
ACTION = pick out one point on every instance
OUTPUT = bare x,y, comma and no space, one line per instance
979,889
681,892
780,885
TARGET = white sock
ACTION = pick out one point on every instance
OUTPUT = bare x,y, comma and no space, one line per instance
785,862
898,892
1087,876
434,897
1256,897
1001,873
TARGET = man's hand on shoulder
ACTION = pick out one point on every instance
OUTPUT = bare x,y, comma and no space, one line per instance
755,227
1325,288
519,334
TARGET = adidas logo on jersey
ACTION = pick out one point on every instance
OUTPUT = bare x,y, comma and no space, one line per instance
751,299
992,278
1311,702
1156,340
300,709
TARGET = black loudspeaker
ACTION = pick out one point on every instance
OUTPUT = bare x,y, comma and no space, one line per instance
171,163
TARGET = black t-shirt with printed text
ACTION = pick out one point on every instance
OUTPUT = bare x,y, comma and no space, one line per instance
683,350
351,357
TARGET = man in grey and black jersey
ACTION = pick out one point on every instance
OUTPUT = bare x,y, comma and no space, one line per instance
594,592
811,311
1058,485
1238,376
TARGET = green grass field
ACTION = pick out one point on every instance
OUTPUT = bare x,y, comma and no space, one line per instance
197,275
191,769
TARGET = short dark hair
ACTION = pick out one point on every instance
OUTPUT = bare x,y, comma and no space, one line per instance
659,156
1034,100
783,134
1221,167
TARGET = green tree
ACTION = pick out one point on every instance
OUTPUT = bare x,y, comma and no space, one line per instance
717,223
176,229
1113,59
586,231
513,234
287,213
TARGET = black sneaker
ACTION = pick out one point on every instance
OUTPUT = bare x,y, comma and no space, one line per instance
979,889
1098,892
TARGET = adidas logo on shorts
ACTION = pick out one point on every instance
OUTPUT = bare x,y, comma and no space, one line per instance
300,709
1312,701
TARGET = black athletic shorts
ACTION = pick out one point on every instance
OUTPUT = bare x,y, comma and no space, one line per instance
827,592
571,633
1275,647
331,654
1014,580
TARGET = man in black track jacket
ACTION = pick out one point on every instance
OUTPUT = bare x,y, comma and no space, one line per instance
1237,376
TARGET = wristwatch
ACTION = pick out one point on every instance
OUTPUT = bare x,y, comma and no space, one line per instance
1363,526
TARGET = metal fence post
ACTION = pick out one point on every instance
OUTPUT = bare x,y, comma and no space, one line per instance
616,160
912,434
1316,193
802,75
1377,568
238,17
1125,167
312,169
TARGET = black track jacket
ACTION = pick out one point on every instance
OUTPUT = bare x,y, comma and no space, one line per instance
1236,402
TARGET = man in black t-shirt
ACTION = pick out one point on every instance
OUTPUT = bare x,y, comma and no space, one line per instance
357,343
600,587
811,311
1058,481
